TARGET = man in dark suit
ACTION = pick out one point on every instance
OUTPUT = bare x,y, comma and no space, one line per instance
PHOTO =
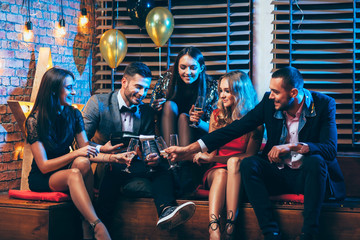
123,111
299,156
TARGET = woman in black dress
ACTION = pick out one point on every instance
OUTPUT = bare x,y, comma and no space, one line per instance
52,126
175,94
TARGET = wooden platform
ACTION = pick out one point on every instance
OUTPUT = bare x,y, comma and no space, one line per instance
23,220
136,219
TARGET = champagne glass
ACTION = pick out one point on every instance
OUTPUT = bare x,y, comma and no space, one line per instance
161,145
198,106
174,141
133,145
146,148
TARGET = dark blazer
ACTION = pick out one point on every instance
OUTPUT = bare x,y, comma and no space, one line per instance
319,132
102,118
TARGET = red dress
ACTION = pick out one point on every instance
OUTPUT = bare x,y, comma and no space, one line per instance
236,146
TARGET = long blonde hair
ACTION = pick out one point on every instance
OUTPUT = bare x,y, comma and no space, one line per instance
241,88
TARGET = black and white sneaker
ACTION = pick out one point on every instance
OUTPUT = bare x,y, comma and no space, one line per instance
172,217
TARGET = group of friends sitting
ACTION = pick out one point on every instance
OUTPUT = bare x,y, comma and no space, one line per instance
223,135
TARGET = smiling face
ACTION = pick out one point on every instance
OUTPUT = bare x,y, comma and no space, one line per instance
225,95
283,98
134,89
189,69
67,91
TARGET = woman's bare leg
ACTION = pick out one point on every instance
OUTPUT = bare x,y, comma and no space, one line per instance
232,192
84,165
72,180
169,120
217,182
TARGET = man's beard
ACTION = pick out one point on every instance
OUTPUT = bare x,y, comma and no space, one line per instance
289,104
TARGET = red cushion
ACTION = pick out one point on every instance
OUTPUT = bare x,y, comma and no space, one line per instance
44,196
298,198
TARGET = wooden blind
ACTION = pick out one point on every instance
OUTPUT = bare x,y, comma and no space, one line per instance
221,29
320,38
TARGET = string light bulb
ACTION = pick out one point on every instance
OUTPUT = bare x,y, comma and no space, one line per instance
84,18
28,30
28,33
62,30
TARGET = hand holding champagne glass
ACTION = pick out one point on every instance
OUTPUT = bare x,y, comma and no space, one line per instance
133,145
198,107
161,144
146,148
174,141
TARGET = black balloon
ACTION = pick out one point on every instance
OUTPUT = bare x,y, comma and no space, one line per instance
138,10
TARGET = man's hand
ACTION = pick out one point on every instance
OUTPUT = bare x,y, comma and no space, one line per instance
108,148
152,159
200,158
177,154
277,151
124,158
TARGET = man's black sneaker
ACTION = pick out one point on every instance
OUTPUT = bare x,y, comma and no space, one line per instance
172,217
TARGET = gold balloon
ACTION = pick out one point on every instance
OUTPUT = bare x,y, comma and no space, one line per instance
113,47
159,25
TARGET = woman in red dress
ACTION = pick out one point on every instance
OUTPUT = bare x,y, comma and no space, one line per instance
237,96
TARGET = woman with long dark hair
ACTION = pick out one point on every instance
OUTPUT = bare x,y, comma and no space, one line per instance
176,92
237,96
51,127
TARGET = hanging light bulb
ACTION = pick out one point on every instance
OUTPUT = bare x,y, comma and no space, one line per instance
28,33
84,18
62,30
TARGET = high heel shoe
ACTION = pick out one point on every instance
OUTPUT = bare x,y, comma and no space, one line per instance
214,226
229,229
100,231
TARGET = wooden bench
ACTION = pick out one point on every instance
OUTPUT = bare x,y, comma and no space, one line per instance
24,219
135,218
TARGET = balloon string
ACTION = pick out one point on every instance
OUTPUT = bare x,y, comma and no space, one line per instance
159,61
116,47
140,45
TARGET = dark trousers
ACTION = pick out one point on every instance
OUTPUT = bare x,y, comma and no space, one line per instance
161,186
261,179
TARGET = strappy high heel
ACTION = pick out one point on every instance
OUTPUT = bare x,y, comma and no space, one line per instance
229,227
215,221
214,226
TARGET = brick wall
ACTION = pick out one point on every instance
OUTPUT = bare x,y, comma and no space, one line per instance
18,60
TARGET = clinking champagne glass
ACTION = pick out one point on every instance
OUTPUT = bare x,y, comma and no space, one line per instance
198,106
146,148
174,141
133,145
161,145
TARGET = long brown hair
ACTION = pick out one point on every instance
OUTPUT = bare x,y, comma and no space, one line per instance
47,102
241,88
175,76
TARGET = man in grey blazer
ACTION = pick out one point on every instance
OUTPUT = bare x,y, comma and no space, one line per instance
123,111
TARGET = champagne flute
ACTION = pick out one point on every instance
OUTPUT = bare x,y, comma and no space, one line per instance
174,141
198,106
146,148
133,145
161,145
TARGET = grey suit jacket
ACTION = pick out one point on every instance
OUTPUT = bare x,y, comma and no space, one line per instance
102,118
